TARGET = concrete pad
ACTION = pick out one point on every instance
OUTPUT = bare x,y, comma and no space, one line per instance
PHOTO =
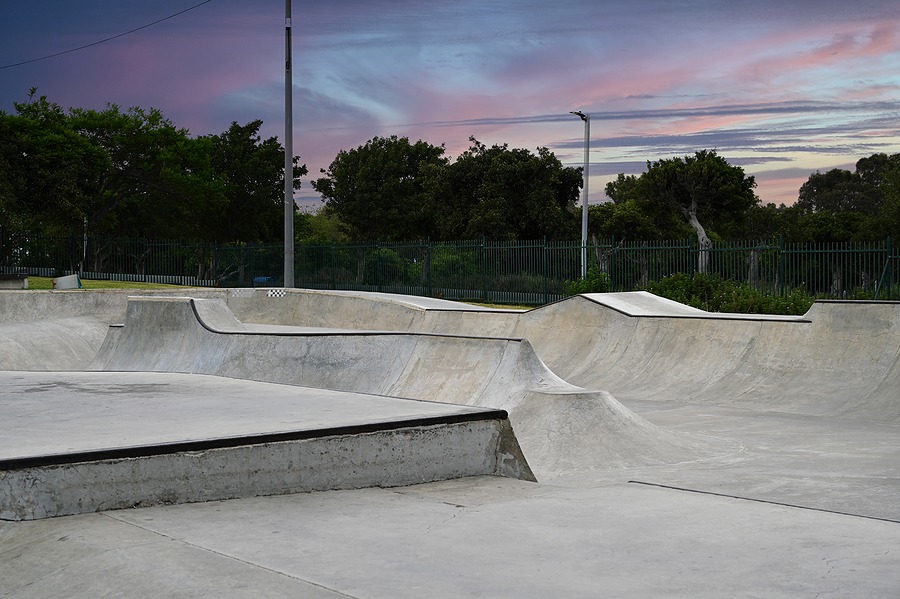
81,442
793,495
483,537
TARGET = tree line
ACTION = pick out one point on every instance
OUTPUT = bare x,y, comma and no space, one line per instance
133,173
836,206
391,189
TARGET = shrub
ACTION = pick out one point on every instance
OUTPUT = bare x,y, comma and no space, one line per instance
594,282
714,294
385,267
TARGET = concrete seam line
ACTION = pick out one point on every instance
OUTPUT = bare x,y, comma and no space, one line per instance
768,501
225,555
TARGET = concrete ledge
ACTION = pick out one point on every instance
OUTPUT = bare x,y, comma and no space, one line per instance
396,456
13,281
79,442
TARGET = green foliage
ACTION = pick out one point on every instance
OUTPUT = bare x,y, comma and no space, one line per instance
594,282
629,221
841,205
251,171
452,262
378,189
505,194
322,227
838,190
135,174
702,191
386,267
714,294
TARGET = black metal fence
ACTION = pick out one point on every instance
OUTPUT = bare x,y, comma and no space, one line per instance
523,272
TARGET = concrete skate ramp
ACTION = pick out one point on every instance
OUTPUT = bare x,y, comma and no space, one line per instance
840,359
559,426
61,330
57,344
107,305
368,311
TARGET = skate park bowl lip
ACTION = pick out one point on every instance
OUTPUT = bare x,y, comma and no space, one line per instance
251,329
641,304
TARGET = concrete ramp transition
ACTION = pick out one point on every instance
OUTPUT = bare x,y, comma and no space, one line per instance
560,427
839,359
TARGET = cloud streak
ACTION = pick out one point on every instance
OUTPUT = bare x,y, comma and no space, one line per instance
810,83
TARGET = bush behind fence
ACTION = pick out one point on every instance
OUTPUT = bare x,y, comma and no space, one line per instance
523,272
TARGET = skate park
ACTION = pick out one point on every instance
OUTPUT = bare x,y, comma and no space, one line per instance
272,442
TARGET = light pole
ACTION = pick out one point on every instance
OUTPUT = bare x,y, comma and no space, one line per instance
584,188
288,153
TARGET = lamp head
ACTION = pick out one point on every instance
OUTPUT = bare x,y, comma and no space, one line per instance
579,114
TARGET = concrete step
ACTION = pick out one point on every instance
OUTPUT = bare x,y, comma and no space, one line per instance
80,442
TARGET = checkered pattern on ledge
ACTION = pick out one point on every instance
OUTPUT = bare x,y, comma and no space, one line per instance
276,293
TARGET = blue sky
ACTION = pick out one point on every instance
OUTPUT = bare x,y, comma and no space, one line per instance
780,88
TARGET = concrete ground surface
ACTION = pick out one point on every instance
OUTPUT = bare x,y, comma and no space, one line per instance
731,455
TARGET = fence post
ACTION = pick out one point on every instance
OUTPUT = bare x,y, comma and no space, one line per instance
612,264
692,264
544,270
484,269
378,266
888,273
890,277
781,265
333,266
427,266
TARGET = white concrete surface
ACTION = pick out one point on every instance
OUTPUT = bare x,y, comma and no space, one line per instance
751,457
560,427
82,442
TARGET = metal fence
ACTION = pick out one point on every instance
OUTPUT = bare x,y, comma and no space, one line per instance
522,272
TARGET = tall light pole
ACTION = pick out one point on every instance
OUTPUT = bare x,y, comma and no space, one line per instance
288,152
584,188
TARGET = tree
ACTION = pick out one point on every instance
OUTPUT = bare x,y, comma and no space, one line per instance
624,188
49,174
766,222
378,189
321,227
704,189
499,193
627,221
845,205
251,171
135,174
838,190
159,182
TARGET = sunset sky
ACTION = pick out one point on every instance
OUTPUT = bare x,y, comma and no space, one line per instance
781,88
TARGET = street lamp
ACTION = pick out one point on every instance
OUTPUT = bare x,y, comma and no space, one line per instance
288,152
584,188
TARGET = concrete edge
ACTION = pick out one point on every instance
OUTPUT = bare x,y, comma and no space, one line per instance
383,458
139,451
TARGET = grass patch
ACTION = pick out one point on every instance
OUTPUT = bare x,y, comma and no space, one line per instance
501,306
40,283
